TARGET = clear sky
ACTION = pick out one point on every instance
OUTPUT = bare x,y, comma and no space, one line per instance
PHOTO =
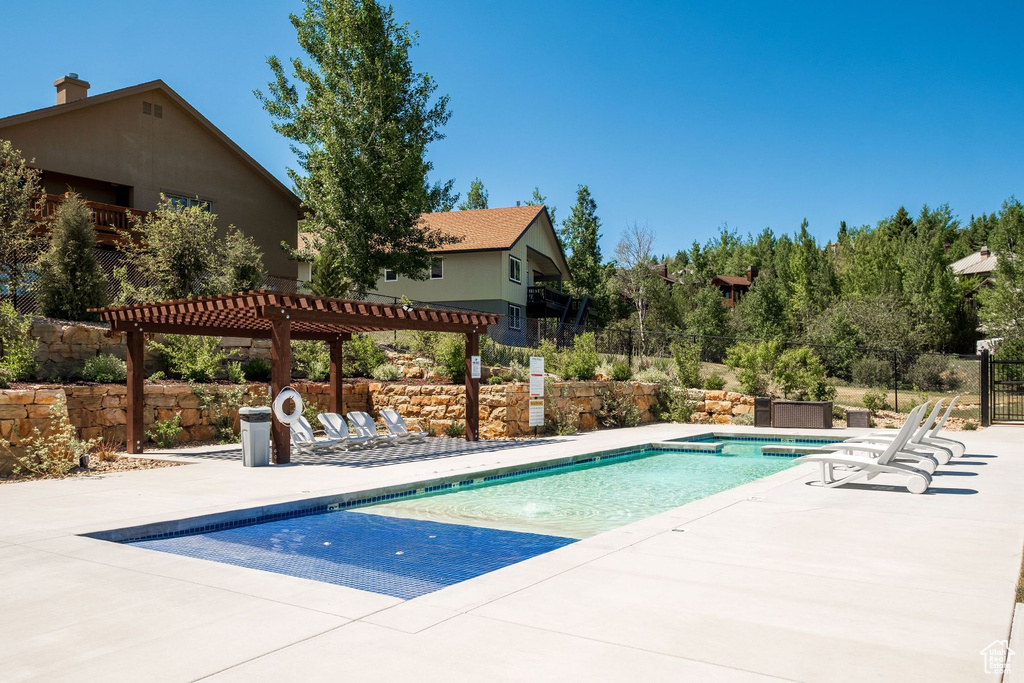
685,116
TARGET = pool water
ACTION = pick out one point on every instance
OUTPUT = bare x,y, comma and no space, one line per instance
584,501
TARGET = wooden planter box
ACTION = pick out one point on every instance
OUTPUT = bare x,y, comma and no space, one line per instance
802,414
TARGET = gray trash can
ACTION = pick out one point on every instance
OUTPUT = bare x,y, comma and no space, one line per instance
255,427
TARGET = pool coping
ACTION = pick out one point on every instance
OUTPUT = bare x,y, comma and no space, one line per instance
249,516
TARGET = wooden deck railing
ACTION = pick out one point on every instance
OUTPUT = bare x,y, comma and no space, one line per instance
109,219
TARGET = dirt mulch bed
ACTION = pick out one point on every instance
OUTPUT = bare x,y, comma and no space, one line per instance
119,463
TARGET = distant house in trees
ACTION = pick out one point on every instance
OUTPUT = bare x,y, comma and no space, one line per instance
981,265
733,287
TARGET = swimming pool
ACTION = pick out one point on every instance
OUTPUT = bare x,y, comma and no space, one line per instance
416,540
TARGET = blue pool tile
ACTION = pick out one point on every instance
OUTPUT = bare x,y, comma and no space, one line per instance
404,558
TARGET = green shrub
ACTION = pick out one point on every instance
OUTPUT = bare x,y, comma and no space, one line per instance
387,372
362,355
581,361
497,379
451,357
517,372
875,400
618,409
157,376
800,373
930,372
312,358
551,355
714,382
621,372
565,421
687,360
222,403
196,359
754,363
58,452
17,349
455,430
652,376
672,405
257,370
235,373
165,433
970,426
870,371
105,369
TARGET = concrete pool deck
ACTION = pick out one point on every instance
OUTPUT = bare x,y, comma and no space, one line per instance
772,580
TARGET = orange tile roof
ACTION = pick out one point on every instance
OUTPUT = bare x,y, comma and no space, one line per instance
480,229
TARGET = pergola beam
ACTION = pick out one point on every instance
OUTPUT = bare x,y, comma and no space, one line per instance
217,331
379,323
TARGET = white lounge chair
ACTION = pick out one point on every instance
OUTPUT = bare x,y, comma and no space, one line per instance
337,428
918,442
863,461
396,425
933,437
305,441
365,425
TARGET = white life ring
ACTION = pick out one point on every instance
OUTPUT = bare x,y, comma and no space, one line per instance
288,418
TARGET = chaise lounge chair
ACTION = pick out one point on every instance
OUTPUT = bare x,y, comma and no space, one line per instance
396,425
933,437
337,428
863,461
305,441
918,445
365,425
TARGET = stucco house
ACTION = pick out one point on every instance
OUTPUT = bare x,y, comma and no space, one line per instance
122,149
507,261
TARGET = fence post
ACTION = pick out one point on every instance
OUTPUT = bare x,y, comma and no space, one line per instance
896,380
985,394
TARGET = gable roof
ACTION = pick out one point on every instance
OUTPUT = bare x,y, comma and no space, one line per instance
158,84
978,263
483,229
734,280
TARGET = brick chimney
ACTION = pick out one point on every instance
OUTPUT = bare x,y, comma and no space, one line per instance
984,252
71,88
751,273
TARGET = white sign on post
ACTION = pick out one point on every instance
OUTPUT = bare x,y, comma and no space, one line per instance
474,367
536,376
536,412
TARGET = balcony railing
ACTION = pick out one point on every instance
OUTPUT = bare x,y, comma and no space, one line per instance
545,296
108,219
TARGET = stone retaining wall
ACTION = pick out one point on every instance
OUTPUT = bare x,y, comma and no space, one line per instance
721,407
64,347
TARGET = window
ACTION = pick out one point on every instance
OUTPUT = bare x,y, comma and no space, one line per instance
179,201
515,269
390,275
437,269
515,317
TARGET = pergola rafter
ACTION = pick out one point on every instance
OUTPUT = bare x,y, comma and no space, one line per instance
281,317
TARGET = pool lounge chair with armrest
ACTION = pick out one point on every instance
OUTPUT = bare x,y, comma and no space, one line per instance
918,443
957,447
304,438
365,425
396,425
337,428
862,461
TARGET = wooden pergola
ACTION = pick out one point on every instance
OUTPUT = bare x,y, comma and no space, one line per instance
281,317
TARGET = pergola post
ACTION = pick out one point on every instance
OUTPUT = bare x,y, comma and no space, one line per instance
472,388
134,426
337,375
280,376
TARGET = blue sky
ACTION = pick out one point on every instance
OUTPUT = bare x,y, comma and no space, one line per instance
684,116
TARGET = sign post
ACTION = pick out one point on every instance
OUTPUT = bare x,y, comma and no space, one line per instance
536,392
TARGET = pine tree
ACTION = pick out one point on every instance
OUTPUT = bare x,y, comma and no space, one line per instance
70,277
581,237
537,199
361,119
476,198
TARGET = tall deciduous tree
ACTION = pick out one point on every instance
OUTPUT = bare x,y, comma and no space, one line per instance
1002,306
19,243
635,280
70,277
361,119
476,198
